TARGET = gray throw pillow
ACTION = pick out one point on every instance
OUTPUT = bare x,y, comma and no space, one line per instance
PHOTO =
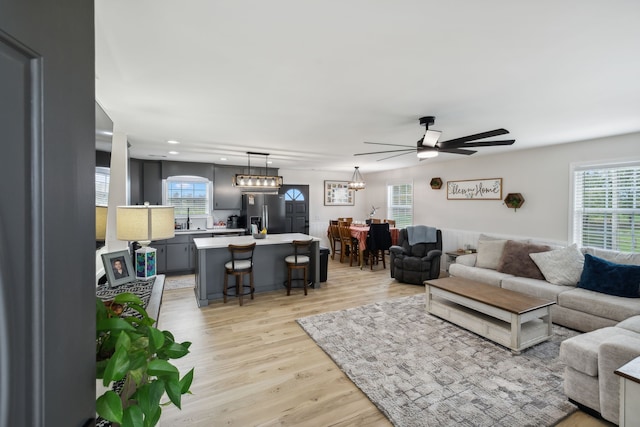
516,260
489,253
561,266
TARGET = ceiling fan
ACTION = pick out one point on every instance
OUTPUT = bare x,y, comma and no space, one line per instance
428,146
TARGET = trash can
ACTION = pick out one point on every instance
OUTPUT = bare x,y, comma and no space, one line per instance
324,263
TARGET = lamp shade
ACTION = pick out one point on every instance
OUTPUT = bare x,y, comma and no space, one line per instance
144,223
101,222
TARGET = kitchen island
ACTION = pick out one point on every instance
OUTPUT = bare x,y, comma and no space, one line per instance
269,268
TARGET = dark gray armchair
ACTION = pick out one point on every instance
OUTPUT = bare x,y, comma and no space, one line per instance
417,263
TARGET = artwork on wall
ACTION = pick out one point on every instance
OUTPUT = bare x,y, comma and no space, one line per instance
475,189
337,193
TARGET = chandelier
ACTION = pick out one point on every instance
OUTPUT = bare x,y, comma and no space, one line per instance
357,182
249,180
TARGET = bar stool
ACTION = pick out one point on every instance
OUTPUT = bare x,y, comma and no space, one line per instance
298,261
241,263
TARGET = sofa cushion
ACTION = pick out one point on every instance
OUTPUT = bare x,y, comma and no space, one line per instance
631,324
534,287
489,253
561,266
613,256
516,260
610,278
581,352
599,304
483,275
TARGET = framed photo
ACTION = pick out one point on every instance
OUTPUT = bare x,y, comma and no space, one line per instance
337,193
118,267
475,189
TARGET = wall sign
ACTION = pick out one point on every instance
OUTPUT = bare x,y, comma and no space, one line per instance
337,193
475,189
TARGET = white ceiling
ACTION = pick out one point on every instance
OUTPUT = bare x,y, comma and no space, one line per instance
309,81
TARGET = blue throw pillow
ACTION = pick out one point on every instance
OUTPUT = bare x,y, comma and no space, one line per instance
610,278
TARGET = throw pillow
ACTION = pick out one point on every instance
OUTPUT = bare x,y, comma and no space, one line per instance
489,253
610,278
561,266
516,260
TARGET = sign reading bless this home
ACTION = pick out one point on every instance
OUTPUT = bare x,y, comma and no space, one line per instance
475,189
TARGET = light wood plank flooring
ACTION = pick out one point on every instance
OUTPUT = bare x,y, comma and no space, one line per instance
254,366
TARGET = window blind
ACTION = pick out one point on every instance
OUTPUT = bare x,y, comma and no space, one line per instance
606,210
185,194
102,186
400,204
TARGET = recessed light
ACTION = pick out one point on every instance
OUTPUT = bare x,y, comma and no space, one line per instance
173,152
172,141
224,159
269,162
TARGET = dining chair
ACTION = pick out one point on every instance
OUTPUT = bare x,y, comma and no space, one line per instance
336,241
240,265
391,222
349,245
378,242
347,219
300,260
376,221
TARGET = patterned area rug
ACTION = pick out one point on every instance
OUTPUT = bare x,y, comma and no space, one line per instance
422,371
179,282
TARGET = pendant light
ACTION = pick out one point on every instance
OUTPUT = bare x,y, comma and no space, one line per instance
357,182
249,180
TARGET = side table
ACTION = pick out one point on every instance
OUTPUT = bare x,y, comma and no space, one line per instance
630,393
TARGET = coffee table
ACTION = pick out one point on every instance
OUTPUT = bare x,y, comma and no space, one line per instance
512,319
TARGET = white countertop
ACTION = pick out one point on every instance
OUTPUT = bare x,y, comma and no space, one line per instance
271,239
210,230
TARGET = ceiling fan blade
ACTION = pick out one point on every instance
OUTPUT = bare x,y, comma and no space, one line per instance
394,145
457,151
382,152
481,135
485,143
395,155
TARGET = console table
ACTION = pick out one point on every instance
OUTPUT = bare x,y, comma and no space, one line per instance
630,393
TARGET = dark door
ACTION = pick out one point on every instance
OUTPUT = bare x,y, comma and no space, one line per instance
47,220
297,208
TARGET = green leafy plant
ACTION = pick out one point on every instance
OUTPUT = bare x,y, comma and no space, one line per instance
129,348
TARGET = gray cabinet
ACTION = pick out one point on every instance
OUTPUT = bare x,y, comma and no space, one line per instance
178,254
161,258
225,194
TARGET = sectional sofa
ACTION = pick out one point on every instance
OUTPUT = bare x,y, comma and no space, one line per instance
596,291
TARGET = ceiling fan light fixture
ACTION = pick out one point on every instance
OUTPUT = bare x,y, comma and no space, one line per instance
431,138
427,154
357,182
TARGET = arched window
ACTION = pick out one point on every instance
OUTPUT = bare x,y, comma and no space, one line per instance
294,195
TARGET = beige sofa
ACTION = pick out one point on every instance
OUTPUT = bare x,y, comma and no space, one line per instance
576,308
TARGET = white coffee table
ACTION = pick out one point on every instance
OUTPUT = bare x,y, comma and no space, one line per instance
512,319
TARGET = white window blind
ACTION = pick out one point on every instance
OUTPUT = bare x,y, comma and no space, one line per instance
400,204
606,210
190,193
102,186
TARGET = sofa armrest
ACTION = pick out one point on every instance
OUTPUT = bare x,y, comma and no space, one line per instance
467,259
397,250
434,253
613,353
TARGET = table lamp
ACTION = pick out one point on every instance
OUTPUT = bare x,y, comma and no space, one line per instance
101,223
144,224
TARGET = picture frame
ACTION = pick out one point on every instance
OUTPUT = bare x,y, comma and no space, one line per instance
114,277
475,189
338,193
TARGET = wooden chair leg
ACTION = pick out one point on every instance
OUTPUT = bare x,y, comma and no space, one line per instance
252,289
305,279
239,278
288,281
224,290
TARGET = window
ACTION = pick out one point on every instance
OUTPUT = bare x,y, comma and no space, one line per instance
400,204
294,195
188,192
102,186
606,206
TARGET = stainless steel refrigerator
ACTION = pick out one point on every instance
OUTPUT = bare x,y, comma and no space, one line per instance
264,210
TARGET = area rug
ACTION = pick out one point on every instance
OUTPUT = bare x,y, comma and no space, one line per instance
179,282
422,371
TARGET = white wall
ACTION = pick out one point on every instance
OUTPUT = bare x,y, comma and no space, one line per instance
541,175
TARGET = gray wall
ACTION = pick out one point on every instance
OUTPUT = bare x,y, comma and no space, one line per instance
47,293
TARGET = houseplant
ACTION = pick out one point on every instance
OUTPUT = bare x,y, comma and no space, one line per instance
130,349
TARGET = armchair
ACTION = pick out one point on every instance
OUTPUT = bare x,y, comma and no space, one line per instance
415,263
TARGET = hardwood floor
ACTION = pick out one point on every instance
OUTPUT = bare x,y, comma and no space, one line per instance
254,366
